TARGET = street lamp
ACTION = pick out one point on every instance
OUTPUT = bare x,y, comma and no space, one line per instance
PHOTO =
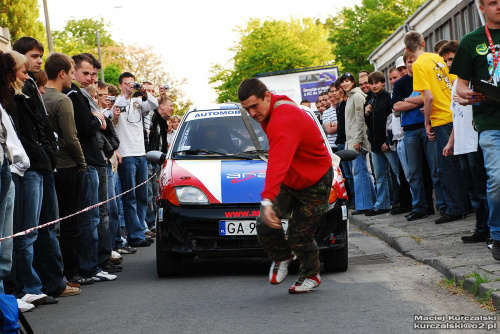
47,27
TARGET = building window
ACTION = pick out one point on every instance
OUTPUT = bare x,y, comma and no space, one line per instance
459,31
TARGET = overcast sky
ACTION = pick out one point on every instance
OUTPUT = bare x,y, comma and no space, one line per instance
191,35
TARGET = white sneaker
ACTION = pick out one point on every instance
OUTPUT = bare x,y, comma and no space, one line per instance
115,255
306,285
23,306
103,276
279,270
36,300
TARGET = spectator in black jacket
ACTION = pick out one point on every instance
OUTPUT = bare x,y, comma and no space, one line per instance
87,123
377,109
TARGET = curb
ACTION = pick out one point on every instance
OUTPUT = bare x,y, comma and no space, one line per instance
408,245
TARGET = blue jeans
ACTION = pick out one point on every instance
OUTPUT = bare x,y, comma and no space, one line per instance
88,222
382,161
347,170
133,171
401,149
47,259
28,203
104,251
7,194
114,221
417,144
363,185
489,141
450,174
475,179
152,192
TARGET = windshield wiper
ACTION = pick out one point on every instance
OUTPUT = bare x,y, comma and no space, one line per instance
256,151
196,152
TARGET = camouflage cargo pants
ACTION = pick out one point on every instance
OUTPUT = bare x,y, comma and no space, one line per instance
304,208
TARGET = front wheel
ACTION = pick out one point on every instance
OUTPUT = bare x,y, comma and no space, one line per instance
336,260
167,263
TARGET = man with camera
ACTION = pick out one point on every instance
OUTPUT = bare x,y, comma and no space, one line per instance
128,115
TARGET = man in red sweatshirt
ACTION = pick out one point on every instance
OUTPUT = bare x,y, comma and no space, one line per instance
298,182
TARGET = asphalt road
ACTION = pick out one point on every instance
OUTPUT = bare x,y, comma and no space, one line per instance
381,292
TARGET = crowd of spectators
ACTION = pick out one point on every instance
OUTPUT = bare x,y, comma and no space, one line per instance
416,143
69,142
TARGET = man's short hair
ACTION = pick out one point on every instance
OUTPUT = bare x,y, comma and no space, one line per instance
56,63
347,76
41,78
305,101
112,90
376,76
407,55
251,86
25,44
125,75
146,83
362,73
82,57
413,41
95,63
101,85
439,44
451,46
392,69
162,100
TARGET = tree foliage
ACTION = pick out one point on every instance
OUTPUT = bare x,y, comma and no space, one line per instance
21,17
268,46
356,32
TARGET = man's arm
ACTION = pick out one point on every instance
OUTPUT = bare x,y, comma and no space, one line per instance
408,104
66,122
465,92
428,98
330,127
150,104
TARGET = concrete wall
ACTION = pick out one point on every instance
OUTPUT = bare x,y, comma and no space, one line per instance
4,39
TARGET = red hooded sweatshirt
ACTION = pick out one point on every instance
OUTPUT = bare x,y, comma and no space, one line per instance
298,156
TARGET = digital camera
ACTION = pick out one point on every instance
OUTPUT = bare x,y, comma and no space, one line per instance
112,99
166,87
136,85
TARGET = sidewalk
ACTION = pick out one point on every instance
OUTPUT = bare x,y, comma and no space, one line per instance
440,247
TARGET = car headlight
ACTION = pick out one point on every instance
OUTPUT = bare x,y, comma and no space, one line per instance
190,195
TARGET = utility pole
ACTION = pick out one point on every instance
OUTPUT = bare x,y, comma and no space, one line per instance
47,27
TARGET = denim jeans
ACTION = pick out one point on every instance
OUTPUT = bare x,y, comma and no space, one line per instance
417,144
152,192
7,194
382,162
114,221
133,171
363,185
88,222
403,159
450,174
67,185
489,141
119,242
104,250
346,167
47,259
475,179
27,206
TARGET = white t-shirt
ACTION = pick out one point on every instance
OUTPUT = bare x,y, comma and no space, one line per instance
330,115
465,136
130,129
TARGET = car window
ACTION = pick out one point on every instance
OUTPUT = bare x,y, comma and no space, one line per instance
226,135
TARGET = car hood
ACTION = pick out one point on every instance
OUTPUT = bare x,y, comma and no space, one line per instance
226,181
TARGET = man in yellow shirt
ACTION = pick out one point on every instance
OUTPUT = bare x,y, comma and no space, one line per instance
431,78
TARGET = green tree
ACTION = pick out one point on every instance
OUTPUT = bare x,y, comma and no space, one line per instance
111,74
268,46
80,36
356,32
21,17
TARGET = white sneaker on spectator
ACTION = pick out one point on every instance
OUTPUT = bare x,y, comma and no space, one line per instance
115,255
103,276
36,300
23,306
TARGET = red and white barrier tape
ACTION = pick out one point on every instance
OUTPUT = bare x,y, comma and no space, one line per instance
74,214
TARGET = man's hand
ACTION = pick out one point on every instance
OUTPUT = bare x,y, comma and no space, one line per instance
116,112
100,115
385,147
269,217
163,92
431,135
448,150
357,147
118,157
368,109
474,97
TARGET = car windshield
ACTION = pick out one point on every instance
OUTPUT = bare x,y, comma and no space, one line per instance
204,136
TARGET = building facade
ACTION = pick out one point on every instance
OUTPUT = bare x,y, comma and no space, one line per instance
4,39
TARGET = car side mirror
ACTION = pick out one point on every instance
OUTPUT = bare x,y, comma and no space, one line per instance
156,157
347,155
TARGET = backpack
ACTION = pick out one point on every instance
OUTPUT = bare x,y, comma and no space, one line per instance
9,315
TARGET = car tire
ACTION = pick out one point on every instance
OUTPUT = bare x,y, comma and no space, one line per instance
167,263
336,260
